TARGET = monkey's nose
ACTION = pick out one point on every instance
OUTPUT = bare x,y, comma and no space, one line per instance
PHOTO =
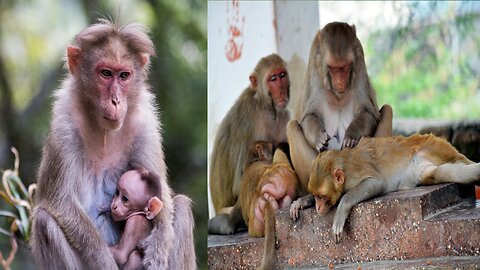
115,101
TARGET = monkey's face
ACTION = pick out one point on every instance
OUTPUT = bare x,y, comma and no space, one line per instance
130,196
337,42
326,182
325,195
109,74
278,85
113,81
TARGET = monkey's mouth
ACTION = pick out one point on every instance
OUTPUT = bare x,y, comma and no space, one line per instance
111,119
115,217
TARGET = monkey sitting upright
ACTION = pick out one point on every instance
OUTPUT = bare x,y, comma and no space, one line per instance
137,202
377,166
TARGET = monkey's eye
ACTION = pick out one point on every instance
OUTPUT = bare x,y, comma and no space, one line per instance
106,73
273,78
124,198
283,74
124,75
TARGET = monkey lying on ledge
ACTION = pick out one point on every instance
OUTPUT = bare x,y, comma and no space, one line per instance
377,166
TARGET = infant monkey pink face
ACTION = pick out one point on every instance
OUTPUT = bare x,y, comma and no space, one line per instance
130,196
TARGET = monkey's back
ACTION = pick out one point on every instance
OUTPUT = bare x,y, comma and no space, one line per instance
230,147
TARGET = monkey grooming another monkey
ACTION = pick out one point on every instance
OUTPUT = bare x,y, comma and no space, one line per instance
377,166
258,114
104,123
339,105
137,202
266,187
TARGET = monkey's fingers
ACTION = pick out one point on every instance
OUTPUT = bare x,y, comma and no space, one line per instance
301,203
349,143
338,224
322,143
295,209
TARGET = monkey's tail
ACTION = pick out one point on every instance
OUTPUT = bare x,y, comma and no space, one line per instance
183,225
269,244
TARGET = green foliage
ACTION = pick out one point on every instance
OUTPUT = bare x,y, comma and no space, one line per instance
14,193
427,69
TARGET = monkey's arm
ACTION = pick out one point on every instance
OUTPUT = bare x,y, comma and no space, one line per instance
81,235
367,189
314,132
363,125
136,228
56,205
302,203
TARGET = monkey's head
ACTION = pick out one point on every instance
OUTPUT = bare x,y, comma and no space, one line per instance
326,181
109,63
270,80
133,195
339,45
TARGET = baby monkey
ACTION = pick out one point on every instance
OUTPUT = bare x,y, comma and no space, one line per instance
137,202
377,166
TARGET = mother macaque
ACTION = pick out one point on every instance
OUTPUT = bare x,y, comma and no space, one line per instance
104,122
339,105
258,114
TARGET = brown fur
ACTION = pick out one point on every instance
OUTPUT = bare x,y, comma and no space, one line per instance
85,155
316,130
380,165
253,117
266,186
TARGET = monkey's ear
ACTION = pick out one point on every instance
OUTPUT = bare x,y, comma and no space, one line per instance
253,81
73,57
339,176
354,29
145,57
319,39
154,206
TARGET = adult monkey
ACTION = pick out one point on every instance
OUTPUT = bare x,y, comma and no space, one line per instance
259,114
104,123
339,105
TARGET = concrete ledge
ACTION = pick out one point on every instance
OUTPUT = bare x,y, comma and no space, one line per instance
426,222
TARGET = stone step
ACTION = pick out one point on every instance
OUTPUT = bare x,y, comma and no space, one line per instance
432,221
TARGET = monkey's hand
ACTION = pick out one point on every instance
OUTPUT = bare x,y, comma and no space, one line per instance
349,142
339,222
367,189
301,203
322,142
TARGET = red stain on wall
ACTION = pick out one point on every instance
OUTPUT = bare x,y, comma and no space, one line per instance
235,23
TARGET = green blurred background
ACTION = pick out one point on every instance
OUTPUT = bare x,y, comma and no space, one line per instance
33,38
428,65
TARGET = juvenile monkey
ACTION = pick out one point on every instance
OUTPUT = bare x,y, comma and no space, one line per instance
137,202
273,183
266,187
339,105
378,166
104,122
258,114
